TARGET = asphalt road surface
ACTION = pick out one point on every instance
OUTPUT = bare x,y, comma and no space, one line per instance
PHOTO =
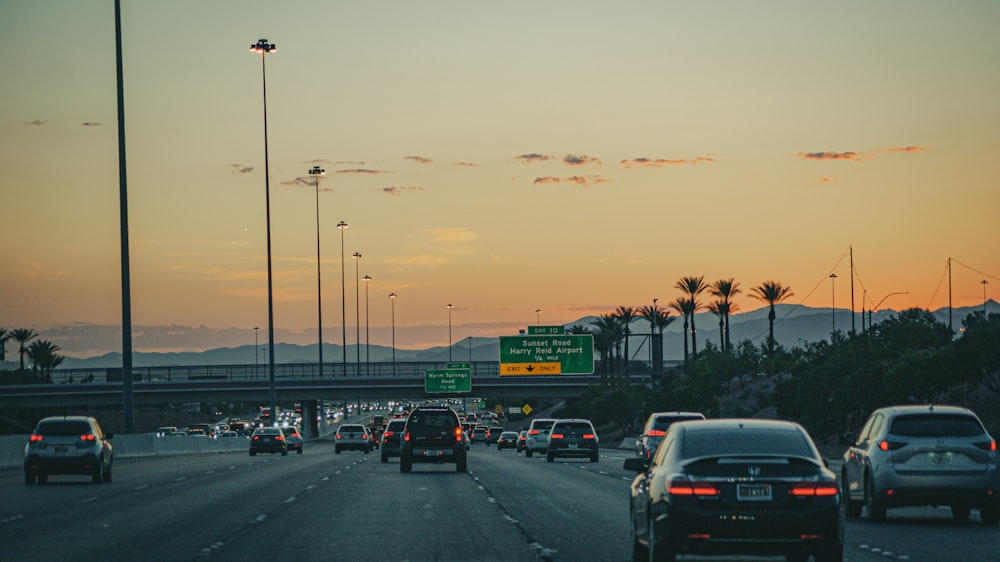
322,506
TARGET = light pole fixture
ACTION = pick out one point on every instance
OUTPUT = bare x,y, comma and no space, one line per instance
880,302
368,358
538,316
392,299
449,307
984,283
316,172
263,47
342,226
833,306
357,305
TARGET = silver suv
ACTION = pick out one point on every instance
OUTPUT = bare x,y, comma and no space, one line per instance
538,436
922,455
68,445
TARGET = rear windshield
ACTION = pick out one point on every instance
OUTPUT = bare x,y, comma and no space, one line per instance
542,424
352,429
713,442
936,425
430,419
663,422
574,427
62,428
395,425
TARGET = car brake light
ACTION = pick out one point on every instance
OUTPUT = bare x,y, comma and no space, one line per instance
557,436
256,437
656,433
684,487
810,489
278,438
88,437
589,436
35,438
406,435
987,445
890,445
533,432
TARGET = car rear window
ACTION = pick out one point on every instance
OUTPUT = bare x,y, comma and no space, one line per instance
663,422
574,427
712,442
432,419
352,429
936,425
63,428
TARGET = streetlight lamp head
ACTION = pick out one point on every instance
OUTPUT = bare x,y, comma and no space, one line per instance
317,171
392,295
357,254
366,278
262,46
341,225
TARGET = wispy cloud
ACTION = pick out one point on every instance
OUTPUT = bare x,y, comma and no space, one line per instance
645,162
847,156
467,164
546,179
362,171
36,122
903,149
307,181
533,157
829,180
241,168
418,159
451,235
90,124
400,189
318,161
584,181
574,160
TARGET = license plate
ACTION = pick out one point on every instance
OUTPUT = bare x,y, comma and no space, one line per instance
433,453
753,492
62,448
940,458
572,445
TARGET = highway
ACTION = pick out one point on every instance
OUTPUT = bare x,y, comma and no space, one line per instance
324,506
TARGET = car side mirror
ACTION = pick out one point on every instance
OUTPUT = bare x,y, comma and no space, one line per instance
636,465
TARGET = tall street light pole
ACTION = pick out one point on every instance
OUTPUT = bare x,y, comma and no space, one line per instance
449,330
357,305
538,317
368,358
392,299
343,296
316,172
128,408
984,283
263,47
256,355
833,307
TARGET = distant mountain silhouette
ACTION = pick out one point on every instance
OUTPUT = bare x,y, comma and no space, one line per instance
794,325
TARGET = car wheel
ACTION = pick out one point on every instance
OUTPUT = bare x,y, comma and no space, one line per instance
662,552
527,453
284,452
875,507
405,464
852,508
43,478
298,451
336,450
797,557
95,476
29,477
385,458
253,453
835,554
990,513
107,475
594,457
639,552
960,512
461,465
551,457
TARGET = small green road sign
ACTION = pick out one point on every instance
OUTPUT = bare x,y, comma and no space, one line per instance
540,354
546,330
458,366
447,380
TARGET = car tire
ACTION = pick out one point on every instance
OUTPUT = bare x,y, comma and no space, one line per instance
852,508
461,465
989,513
43,478
960,512
385,458
253,453
96,475
663,552
107,475
550,457
284,452
336,450
594,457
527,453
29,477
835,554
639,552
298,451
405,464
876,508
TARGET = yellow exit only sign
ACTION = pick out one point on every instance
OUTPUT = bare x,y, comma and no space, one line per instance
554,368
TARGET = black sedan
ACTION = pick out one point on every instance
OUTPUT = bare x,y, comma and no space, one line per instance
736,486
268,440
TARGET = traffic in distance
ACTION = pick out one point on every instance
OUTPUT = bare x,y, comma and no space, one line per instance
698,487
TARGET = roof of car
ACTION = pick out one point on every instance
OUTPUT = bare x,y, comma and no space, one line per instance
67,418
925,409
677,414
737,423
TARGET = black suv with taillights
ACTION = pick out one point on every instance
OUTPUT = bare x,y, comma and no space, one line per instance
433,435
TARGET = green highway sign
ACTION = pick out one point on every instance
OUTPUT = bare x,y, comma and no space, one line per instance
458,366
447,380
546,330
547,354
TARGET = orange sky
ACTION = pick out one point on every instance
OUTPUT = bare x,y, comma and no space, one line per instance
564,156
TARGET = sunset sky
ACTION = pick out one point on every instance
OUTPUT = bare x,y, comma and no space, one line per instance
505,157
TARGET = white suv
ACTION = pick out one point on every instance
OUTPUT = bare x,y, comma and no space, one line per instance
538,436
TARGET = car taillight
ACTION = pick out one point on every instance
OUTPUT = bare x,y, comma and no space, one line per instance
256,437
589,436
557,436
814,489
406,435
338,435
35,438
684,487
278,438
656,433
533,432
88,437
458,434
890,445
987,445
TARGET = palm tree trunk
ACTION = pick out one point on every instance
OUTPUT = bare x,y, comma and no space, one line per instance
685,337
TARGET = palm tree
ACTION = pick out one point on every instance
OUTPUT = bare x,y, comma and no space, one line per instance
685,307
718,308
578,329
692,287
44,357
4,336
605,334
771,292
726,289
626,314
22,336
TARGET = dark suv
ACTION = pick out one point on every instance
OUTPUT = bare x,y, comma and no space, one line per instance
68,445
392,437
433,434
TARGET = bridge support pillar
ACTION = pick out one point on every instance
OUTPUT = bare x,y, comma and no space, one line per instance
310,411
